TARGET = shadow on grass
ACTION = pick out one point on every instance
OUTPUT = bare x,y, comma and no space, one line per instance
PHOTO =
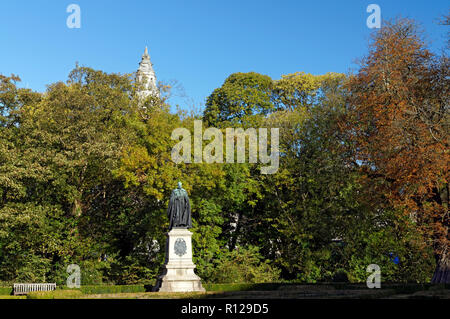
314,291
260,291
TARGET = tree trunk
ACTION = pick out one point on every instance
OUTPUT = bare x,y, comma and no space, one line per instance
442,272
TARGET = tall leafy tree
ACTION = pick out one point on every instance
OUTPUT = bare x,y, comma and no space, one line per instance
399,121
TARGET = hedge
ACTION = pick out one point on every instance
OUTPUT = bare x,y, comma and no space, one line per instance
92,289
109,289
398,287
55,294
6,291
112,289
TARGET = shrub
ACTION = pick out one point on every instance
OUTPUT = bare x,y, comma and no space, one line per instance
402,255
243,265
340,276
131,270
91,272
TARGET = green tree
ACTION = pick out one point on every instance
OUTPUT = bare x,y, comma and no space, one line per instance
243,98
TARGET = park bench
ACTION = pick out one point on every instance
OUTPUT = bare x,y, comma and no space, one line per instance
23,289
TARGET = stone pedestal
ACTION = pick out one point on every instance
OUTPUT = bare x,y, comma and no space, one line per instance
178,273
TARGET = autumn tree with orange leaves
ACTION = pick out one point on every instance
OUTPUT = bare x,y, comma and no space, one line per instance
399,122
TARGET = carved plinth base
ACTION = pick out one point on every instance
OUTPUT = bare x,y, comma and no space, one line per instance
178,273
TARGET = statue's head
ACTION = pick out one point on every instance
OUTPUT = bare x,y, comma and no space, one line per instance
179,184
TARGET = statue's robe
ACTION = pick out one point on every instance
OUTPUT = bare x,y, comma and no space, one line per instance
179,210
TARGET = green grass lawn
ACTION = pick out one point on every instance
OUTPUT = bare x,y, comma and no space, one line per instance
12,297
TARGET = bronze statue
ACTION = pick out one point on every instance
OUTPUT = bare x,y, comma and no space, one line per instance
179,210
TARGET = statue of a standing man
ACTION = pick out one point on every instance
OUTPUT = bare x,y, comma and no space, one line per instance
179,210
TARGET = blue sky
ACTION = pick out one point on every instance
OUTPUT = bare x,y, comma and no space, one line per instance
197,43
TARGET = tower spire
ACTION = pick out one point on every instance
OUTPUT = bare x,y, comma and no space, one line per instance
146,76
